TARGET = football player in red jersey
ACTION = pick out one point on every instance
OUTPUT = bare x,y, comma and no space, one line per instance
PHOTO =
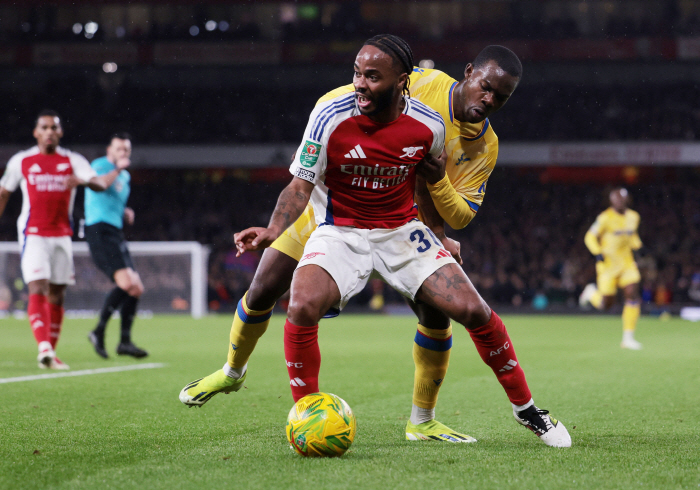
48,175
367,228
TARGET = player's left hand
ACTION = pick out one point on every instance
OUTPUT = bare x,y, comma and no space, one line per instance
255,238
454,247
432,169
129,216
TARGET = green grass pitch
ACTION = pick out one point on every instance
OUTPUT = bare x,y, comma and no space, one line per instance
634,417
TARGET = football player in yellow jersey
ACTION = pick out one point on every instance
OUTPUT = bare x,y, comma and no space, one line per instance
457,191
612,239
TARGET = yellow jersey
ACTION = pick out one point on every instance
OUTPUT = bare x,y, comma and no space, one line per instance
615,236
471,149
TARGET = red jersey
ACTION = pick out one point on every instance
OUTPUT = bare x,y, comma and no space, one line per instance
364,171
47,202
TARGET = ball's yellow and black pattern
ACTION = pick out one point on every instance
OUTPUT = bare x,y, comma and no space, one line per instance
321,425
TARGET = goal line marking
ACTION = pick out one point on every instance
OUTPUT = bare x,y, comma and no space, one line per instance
84,372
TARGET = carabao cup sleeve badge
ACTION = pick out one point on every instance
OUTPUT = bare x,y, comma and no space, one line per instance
309,155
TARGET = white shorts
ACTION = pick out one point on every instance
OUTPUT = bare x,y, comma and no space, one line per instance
48,257
404,257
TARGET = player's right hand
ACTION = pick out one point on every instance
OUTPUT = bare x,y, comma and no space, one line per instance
255,238
454,247
123,163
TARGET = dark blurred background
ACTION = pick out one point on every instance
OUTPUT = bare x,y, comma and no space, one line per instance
217,94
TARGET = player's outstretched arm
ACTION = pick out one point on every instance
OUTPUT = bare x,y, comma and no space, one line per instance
103,182
291,203
4,197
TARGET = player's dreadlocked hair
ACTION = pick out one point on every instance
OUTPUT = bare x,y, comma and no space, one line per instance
399,50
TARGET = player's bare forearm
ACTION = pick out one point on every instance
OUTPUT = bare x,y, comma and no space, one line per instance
291,203
428,212
103,182
433,220
4,197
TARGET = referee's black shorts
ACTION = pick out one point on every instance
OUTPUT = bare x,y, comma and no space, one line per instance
108,248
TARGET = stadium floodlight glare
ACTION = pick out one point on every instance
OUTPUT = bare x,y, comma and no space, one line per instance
120,31
109,67
194,30
210,25
91,27
77,28
429,64
223,26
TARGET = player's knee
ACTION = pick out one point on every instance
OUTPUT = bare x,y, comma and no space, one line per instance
136,290
608,302
303,312
475,313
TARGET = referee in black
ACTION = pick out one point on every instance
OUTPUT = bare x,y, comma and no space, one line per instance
105,214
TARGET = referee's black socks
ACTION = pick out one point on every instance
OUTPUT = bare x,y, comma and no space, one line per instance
112,302
128,313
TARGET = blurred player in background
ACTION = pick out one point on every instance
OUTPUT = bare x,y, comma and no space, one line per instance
612,239
472,149
105,214
48,175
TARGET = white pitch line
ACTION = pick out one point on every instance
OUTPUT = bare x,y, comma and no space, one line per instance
84,372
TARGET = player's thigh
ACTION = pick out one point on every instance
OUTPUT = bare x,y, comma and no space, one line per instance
345,254
450,291
108,249
272,279
293,240
606,280
313,292
62,269
630,276
429,316
36,259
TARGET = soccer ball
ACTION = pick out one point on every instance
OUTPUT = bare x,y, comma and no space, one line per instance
321,425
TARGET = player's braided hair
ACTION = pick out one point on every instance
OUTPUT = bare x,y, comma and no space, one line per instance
399,50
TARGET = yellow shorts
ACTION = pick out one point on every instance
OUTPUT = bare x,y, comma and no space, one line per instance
293,240
612,277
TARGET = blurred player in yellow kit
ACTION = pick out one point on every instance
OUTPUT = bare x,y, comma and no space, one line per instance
452,194
612,239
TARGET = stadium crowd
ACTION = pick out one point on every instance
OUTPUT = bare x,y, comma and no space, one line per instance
524,249
349,20
244,114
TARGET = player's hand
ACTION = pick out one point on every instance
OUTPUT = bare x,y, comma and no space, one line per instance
599,258
129,216
72,182
123,163
255,238
432,169
454,247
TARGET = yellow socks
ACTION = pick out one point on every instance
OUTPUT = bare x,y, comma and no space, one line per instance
630,315
431,355
248,326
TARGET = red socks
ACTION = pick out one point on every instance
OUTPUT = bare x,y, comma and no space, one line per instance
39,317
303,358
56,323
497,351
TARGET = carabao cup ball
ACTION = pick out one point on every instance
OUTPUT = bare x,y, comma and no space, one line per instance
321,425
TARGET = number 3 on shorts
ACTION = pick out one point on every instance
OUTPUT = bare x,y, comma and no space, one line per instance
424,243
